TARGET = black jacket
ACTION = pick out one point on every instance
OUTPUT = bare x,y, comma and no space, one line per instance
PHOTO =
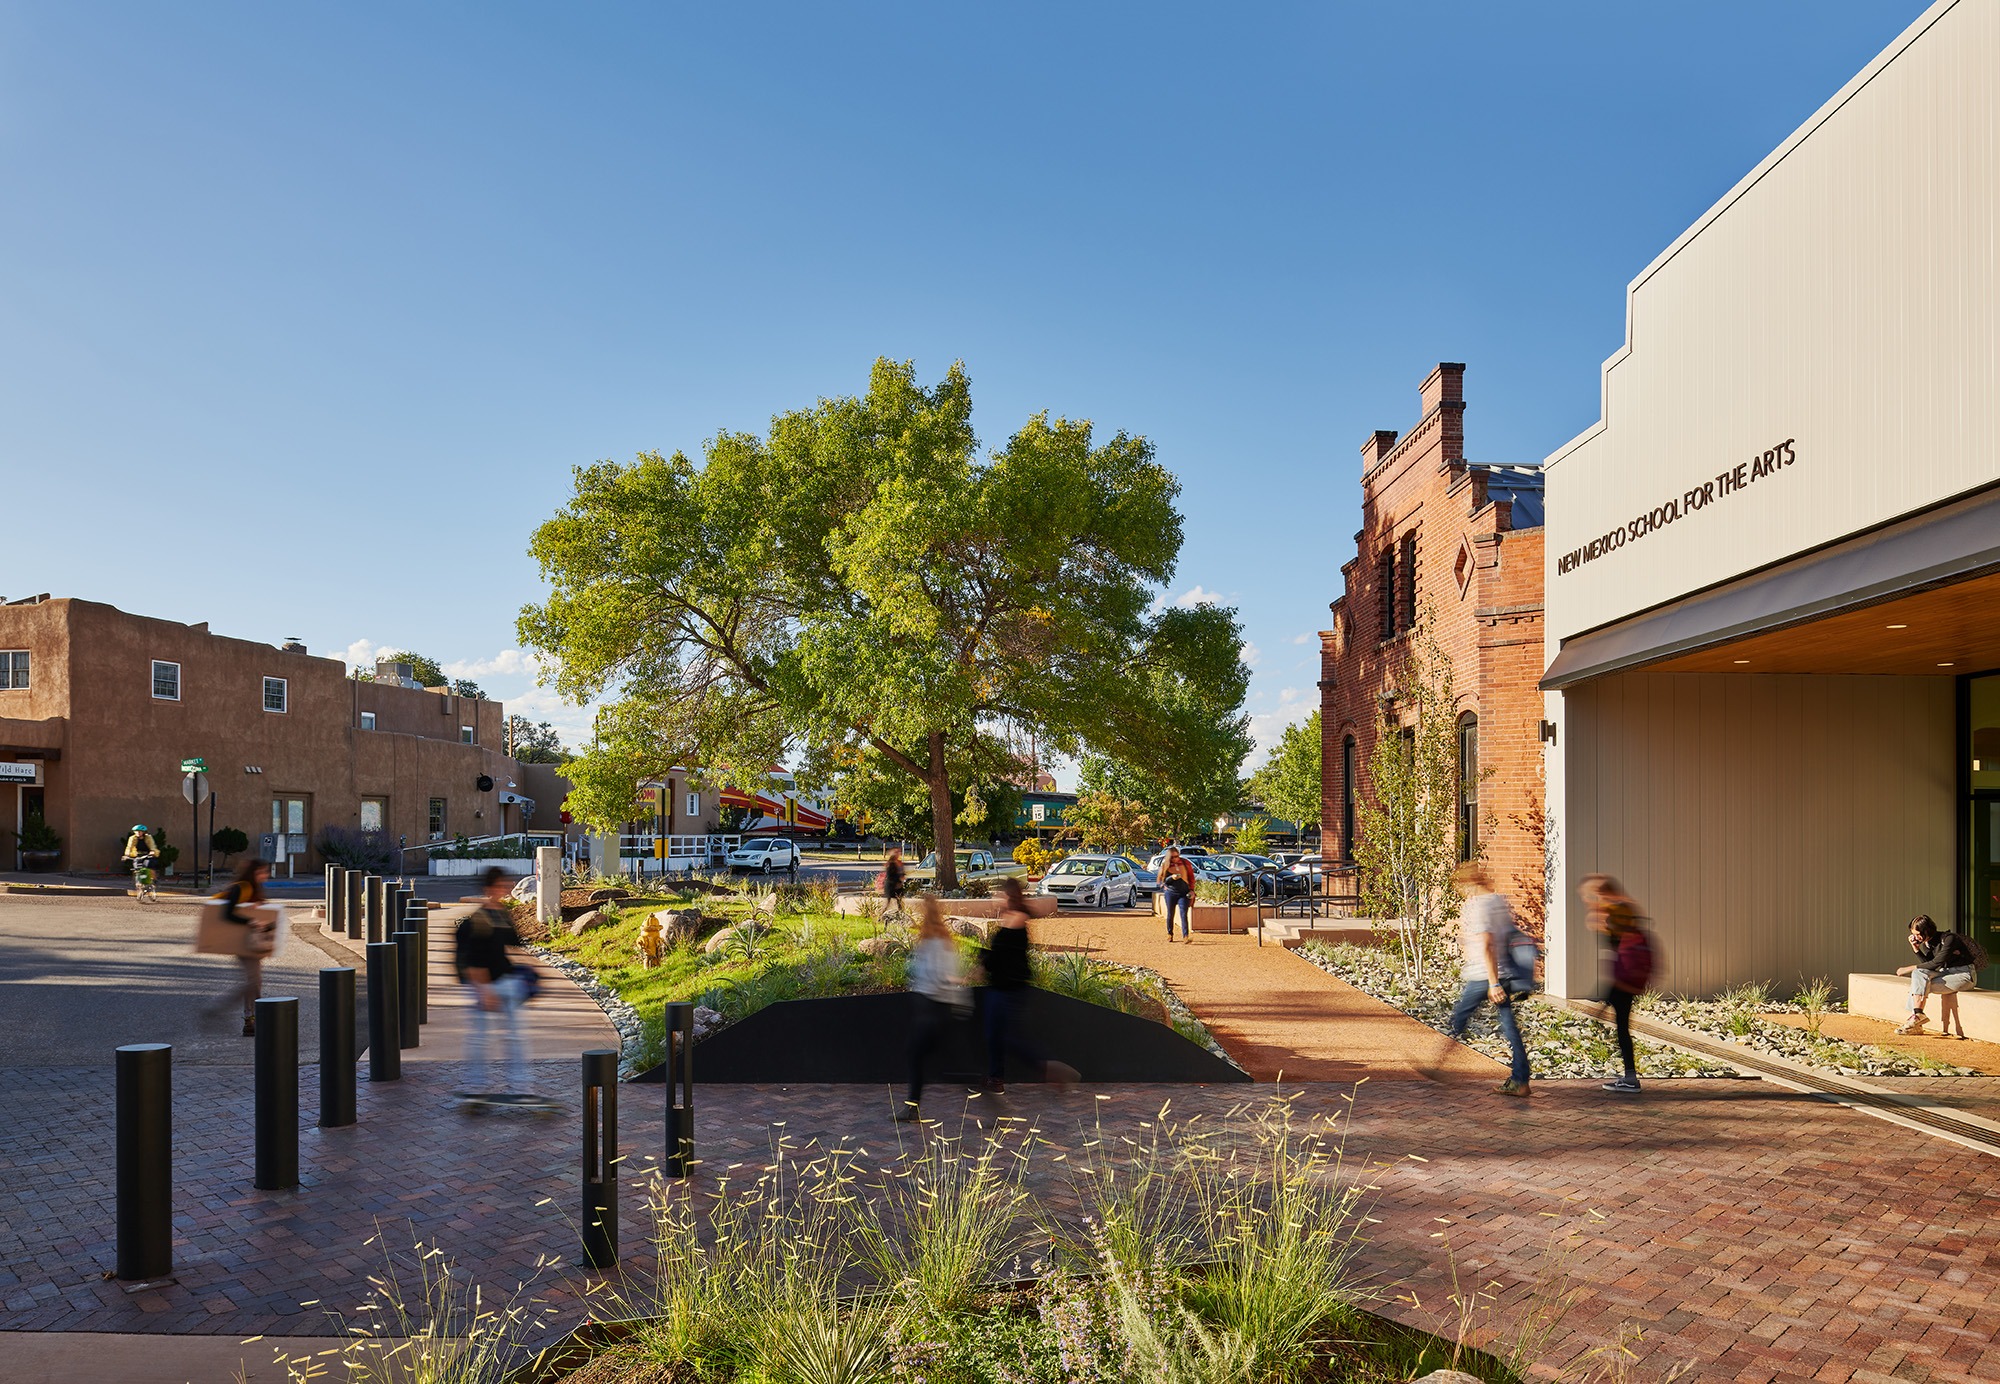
1947,952
481,940
1006,959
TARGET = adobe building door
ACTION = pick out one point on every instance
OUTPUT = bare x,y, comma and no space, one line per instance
291,817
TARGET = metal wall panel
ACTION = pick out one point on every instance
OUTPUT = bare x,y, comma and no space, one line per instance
1845,295
1775,827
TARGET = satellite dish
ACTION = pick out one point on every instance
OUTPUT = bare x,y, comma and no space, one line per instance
484,783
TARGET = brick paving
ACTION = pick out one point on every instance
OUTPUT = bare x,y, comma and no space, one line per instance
1764,1236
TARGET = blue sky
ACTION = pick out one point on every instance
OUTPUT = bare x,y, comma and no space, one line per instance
308,310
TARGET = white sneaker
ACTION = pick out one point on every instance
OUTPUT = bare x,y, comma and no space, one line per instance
1914,1024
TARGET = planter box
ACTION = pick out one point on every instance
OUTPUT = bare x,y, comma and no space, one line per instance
1039,906
1213,917
474,868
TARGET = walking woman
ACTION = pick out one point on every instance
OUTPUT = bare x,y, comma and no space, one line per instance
1486,932
1177,883
937,992
892,883
1615,915
243,903
1006,964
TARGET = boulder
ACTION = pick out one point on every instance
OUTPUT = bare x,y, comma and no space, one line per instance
975,928
1446,1377
586,921
679,924
885,945
723,938
706,1021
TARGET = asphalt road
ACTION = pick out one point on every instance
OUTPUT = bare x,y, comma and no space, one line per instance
79,977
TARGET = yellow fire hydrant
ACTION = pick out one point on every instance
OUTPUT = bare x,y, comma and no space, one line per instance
652,943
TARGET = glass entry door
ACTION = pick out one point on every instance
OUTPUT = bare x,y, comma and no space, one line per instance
1979,765
290,818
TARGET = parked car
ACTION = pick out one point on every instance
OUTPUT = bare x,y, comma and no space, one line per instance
1262,873
1091,881
1190,852
764,856
972,865
1145,881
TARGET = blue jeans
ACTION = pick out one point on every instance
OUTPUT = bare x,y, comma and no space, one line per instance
1184,902
1469,999
507,1018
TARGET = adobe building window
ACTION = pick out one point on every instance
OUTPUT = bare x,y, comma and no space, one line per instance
166,681
1386,573
465,735
1468,786
694,805
436,824
367,720
275,690
374,812
1347,798
13,670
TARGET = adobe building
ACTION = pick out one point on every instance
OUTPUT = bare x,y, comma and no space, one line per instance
1463,540
1774,563
99,708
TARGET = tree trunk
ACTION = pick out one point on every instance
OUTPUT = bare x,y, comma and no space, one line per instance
941,814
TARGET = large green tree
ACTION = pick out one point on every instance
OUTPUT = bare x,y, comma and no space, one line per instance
1194,751
863,576
1289,782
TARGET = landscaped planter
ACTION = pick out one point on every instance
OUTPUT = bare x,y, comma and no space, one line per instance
858,905
40,862
474,868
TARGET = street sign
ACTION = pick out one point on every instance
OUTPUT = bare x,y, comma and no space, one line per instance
195,788
194,766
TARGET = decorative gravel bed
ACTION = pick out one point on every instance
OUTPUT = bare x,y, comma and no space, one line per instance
1736,1018
1560,1043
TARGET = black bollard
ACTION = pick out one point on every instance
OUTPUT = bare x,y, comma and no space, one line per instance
418,920
336,895
385,1041
277,1093
145,1161
680,1089
408,980
600,1158
336,1047
351,911
371,904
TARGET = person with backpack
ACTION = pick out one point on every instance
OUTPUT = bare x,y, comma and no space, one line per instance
1488,947
500,986
1615,915
1947,962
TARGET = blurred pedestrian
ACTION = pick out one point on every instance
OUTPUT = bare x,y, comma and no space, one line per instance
243,904
1615,915
1486,937
892,884
1177,883
1005,962
500,986
1947,962
937,994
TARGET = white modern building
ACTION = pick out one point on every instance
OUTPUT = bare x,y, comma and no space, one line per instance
1773,591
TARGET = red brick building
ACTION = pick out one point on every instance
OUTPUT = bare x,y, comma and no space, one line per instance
1463,539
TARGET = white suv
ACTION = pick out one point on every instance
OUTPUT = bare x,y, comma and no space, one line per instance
764,856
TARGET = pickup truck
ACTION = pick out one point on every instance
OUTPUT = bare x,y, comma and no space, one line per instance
972,865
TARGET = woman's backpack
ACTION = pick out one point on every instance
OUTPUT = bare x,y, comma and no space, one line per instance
1518,959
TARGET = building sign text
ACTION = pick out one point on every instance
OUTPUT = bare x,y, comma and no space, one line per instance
1730,482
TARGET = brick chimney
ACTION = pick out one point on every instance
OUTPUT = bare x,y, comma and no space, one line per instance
1379,444
1445,385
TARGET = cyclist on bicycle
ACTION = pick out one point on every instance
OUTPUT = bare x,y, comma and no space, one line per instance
139,846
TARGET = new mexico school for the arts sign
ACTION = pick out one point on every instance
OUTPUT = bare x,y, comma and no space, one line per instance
1731,482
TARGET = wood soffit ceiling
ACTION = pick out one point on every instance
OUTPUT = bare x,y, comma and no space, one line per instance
1945,631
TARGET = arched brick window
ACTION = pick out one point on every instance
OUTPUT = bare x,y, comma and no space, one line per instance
1468,786
1347,758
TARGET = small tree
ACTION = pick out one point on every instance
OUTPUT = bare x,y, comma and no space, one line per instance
1535,885
1289,782
1250,837
1406,822
229,841
1105,821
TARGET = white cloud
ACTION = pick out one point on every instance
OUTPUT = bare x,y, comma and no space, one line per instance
1305,638
362,653
1268,727
1197,596
506,663
1251,654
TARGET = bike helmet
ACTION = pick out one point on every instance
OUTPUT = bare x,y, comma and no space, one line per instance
138,826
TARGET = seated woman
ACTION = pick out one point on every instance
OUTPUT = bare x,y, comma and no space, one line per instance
1946,963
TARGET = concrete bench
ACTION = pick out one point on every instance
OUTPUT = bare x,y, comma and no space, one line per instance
1888,997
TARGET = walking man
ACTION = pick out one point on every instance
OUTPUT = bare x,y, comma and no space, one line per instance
500,987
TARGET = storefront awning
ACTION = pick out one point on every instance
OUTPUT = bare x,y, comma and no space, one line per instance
1949,544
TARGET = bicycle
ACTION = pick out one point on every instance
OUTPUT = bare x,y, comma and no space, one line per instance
142,879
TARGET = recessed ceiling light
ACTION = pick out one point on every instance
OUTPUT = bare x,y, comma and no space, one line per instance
1947,665
1899,627
1742,660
